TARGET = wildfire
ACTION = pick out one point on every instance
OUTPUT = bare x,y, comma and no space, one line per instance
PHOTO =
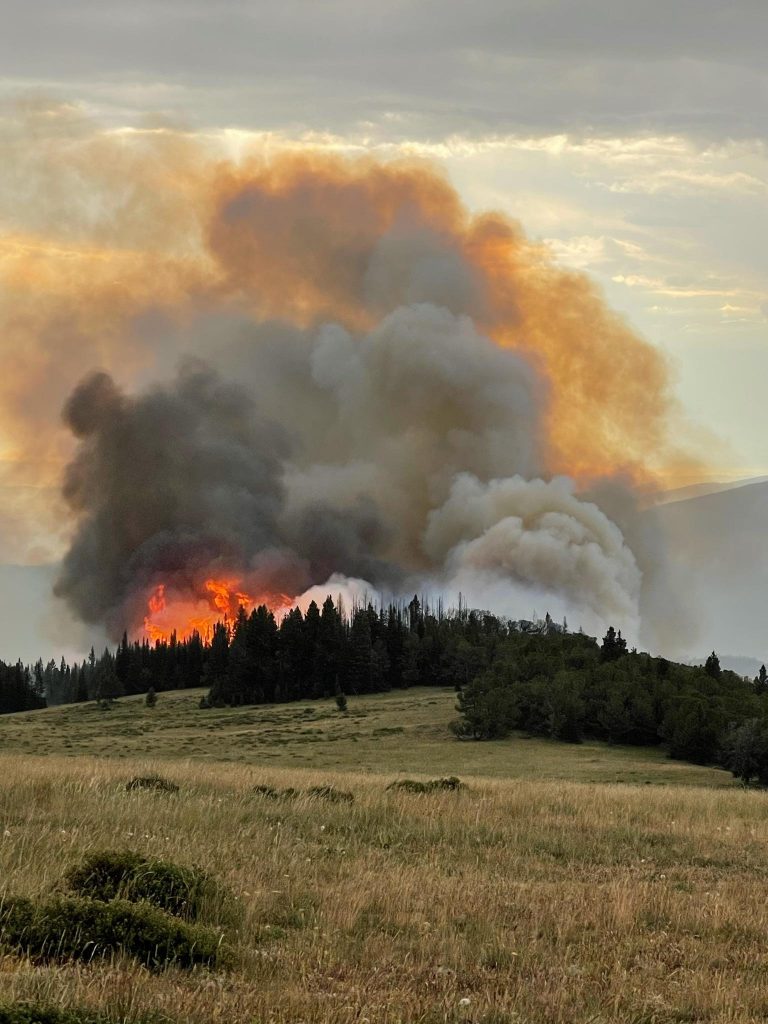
222,599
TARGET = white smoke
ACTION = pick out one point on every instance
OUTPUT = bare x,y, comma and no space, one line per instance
347,592
536,534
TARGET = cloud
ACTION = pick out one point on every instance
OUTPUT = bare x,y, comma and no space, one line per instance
416,71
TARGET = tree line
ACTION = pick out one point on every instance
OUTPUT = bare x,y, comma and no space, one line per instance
19,690
307,655
535,678
568,687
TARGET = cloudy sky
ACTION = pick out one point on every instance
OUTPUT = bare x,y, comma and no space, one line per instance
630,137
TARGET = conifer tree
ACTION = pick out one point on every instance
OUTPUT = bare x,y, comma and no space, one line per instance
712,666
360,667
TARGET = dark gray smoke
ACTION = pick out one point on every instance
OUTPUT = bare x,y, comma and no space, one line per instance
409,453
170,486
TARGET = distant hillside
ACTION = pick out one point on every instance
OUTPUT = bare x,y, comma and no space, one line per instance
33,624
26,597
401,731
701,490
718,550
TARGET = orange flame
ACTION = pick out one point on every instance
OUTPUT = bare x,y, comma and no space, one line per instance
183,616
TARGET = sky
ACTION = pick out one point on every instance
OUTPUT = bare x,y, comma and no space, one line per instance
630,139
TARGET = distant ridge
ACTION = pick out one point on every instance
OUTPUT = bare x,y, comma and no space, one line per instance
703,489
716,553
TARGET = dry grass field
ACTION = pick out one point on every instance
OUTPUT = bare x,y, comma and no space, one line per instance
403,731
519,899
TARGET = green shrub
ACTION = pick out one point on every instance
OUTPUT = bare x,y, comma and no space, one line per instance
76,928
409,786
122,874
331,794
267,791
24,1013
156,782
448,782
434,785
34,1013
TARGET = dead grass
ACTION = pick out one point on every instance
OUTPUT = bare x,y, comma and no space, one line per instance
513,901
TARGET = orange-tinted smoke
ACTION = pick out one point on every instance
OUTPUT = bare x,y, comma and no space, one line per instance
295,238
103,233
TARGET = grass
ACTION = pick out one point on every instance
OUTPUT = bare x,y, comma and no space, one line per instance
403,732
558,887
537,902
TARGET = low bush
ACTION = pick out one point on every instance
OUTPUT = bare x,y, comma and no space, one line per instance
269,792
331,794
156,782
122,874
433,786
35,1013
25,1013
76,928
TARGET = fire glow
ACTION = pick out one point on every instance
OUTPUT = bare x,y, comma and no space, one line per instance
169,615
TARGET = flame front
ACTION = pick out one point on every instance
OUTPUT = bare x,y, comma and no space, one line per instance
183,616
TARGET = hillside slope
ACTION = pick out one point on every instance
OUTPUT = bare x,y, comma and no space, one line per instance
402,731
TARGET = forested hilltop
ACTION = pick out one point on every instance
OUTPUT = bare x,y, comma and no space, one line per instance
530,677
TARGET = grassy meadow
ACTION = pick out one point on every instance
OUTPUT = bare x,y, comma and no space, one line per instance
558,887
398,732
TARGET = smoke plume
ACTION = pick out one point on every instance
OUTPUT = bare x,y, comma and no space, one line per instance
297,364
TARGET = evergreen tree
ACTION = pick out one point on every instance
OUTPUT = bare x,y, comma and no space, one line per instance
712,666
360,665
341,700
745,751
107,685
331,643
614,645
216,668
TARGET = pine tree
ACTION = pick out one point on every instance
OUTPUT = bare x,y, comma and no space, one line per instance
712,666
341,700
614,645
331,643
360,668
216,667
122,663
